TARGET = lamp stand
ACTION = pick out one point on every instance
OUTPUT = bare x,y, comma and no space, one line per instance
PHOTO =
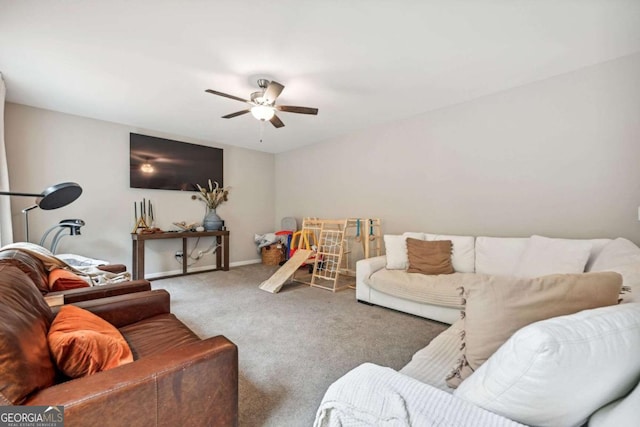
25,211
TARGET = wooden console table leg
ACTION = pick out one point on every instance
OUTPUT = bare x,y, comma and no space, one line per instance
185,259
218,253
225,247
138,260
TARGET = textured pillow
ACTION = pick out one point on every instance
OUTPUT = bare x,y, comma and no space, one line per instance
62,280
498,306
463,254
559,371
429,257
396,250
25,363
82,343
544,256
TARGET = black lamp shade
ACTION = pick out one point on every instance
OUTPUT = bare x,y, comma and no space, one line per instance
59,195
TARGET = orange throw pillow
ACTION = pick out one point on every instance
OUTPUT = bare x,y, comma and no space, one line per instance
82,343
62,280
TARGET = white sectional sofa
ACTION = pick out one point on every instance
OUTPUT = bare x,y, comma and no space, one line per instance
571,370
435,297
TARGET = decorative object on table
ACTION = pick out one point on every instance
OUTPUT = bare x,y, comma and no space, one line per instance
183,226
213,197
146,221
212,220
54,197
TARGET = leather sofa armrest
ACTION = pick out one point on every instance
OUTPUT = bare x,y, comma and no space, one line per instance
113,268
102,291
195,385
122,310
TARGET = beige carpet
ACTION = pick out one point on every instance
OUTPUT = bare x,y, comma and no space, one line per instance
294,344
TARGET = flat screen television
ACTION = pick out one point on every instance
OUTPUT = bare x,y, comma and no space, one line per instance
164,164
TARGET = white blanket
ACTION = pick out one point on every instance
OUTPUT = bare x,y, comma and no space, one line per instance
92,274
371,395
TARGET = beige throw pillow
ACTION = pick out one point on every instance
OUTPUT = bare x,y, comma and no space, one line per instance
429,257
497,306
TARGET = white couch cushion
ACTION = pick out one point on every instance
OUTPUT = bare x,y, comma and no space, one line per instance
623,257
559,371
439,289
621,413
596,250
414,235
617,252
396,249
428,364
371,395
499,256
463,253
544,256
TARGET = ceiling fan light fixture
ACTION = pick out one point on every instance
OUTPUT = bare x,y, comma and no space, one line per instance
262,104
263,112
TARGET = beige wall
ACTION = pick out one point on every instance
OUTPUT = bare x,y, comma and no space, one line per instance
46,147
559,157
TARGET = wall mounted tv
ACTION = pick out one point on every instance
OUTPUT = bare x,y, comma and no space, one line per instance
171,165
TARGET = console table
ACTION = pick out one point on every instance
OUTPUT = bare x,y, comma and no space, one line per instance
222,252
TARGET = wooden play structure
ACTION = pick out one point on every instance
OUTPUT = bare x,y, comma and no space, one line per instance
328,248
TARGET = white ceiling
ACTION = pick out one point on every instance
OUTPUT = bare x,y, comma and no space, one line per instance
146,63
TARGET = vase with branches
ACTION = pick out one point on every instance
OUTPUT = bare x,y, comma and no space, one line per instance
213,196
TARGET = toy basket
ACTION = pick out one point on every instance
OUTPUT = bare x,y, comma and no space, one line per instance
272,254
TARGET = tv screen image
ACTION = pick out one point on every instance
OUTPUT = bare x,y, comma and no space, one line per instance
163,164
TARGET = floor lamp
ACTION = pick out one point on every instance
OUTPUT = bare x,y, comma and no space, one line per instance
54,197
72,225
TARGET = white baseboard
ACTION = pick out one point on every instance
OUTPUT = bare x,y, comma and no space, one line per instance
247,262
201,268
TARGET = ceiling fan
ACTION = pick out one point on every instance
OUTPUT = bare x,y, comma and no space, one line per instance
263,103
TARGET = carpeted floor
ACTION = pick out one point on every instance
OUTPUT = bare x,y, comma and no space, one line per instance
294,344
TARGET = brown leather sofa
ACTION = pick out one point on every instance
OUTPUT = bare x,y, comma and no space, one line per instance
38,273
176,378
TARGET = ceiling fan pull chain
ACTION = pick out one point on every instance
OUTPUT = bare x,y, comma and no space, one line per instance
262,122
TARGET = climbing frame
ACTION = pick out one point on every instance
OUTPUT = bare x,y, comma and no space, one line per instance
333,248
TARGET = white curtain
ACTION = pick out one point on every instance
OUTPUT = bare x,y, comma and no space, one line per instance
6,232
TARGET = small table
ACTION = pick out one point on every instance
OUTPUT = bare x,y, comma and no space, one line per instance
222,253
54,300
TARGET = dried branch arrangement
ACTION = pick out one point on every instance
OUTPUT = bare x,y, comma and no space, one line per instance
213,196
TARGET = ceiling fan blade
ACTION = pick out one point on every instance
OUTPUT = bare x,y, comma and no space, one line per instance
276,122
236,114
299,110
226,95
272,92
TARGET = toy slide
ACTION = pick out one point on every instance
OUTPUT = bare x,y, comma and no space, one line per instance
275,282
